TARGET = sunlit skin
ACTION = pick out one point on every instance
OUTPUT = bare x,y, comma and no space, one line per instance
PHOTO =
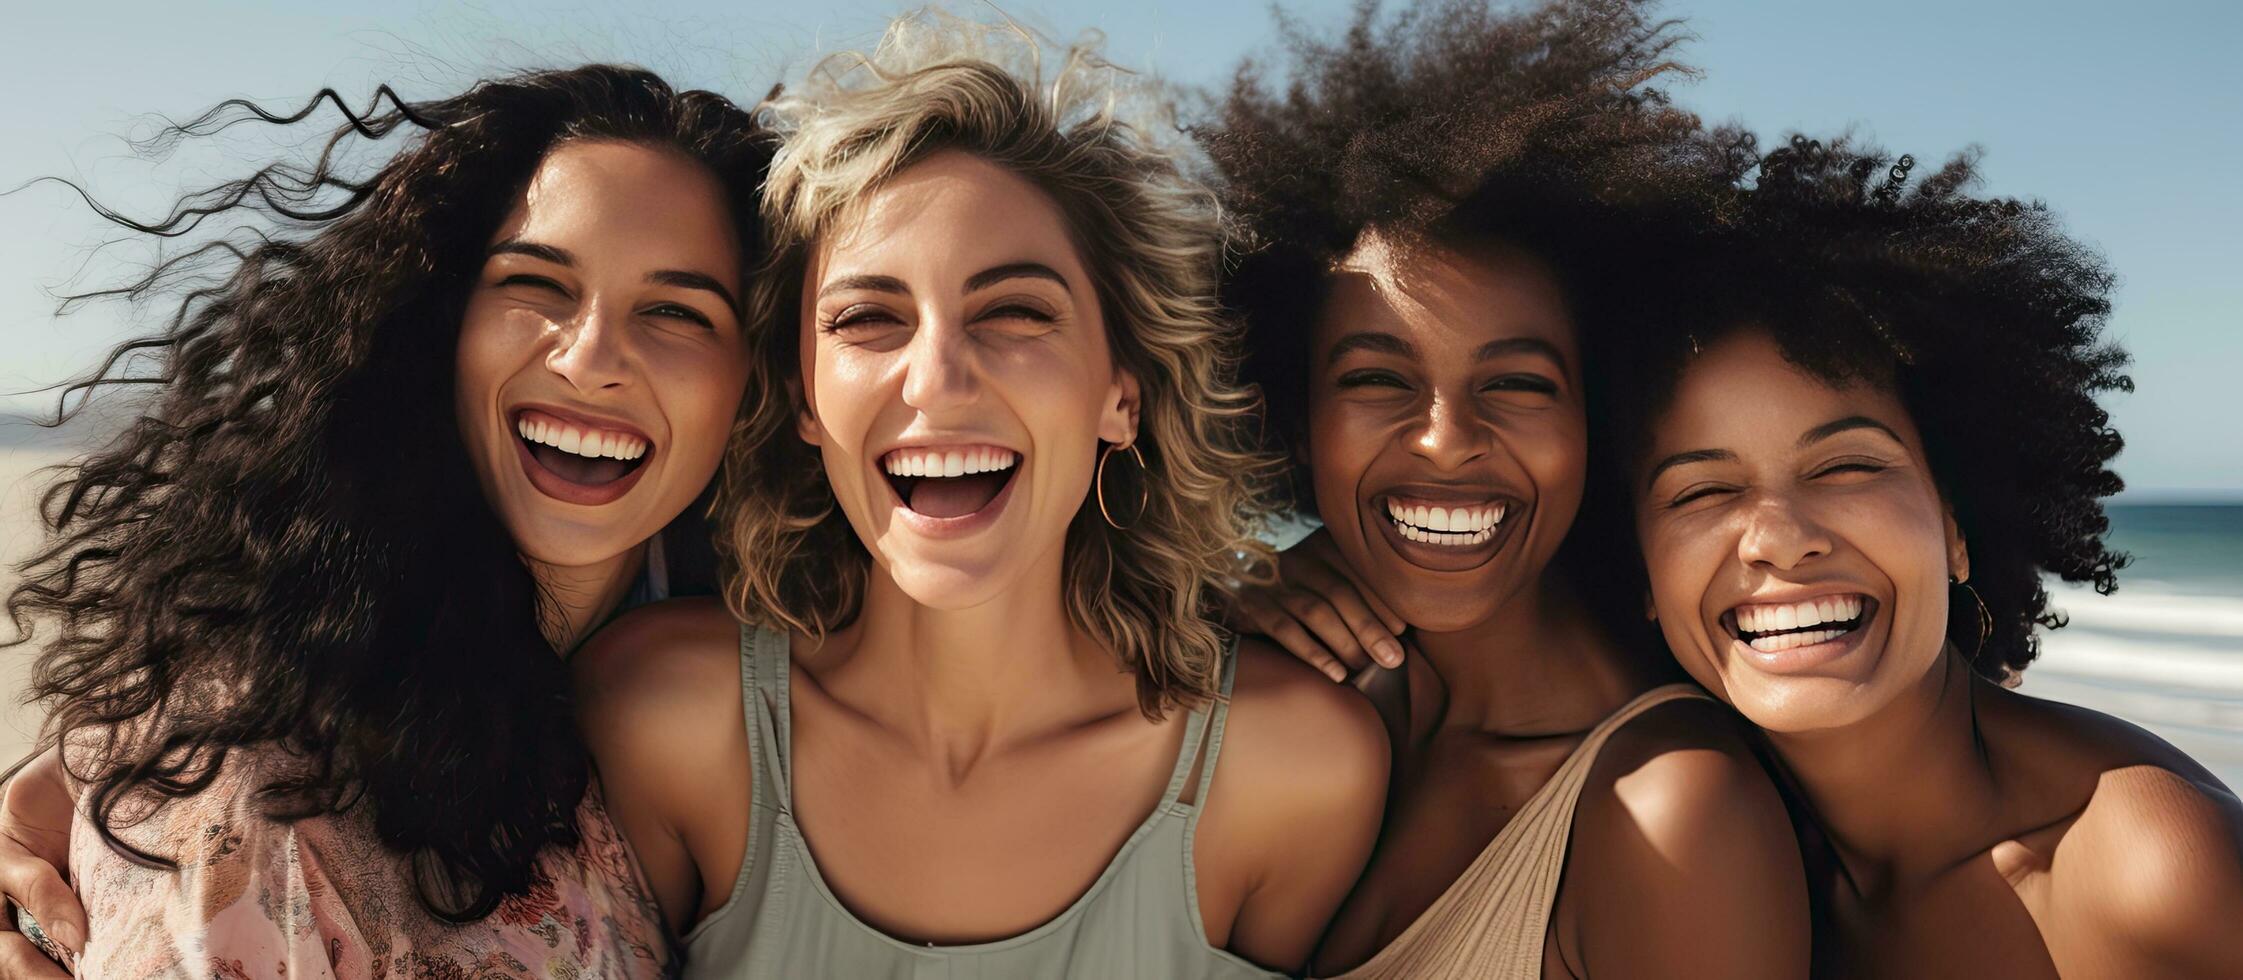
609,299
966,761
1979,832
607,295
1445,376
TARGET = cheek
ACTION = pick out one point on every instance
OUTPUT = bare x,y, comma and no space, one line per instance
1343,440
1553,448
486,356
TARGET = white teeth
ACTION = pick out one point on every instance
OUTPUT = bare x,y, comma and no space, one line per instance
1445,525
946,463
592,443
1770,618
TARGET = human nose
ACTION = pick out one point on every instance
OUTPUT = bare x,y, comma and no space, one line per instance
591,350
1780,533
1448,434
938,367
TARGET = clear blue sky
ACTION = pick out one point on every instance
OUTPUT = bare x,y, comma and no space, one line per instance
2127,118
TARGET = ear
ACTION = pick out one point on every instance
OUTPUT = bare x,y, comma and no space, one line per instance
1117,421
806,422
1958,550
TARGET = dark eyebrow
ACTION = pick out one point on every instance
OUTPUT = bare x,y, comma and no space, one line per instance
1693,456
516,246
1381,343
1847,424
1017,270
874,284
695,280
1521,345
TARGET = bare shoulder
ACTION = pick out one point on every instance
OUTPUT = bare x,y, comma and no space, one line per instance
659,642
1684,855
1286,719
2157,857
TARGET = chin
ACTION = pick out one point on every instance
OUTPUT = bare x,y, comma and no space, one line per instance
1801,705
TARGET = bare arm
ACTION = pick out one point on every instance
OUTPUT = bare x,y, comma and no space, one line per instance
1685,864
658,698
1294,809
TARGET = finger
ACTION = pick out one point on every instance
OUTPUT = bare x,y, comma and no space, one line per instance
1351,603
1322,621
1317,560
20,960
1296,640
39,888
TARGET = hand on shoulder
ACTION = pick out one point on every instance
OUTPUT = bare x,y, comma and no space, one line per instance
1684,860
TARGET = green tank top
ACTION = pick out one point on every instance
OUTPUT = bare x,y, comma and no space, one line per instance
1139,919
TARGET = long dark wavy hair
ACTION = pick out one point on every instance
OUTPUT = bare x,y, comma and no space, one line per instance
287,548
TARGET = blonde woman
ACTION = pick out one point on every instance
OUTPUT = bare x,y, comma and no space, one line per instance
967,710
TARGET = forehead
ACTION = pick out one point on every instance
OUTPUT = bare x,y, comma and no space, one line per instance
624,203
1740,391
952,211
1444,301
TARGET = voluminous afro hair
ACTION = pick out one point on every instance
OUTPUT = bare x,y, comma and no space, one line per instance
1980,313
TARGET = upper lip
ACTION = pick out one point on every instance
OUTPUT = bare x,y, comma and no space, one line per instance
589,420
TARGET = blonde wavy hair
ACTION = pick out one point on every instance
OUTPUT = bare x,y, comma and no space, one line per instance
1103,144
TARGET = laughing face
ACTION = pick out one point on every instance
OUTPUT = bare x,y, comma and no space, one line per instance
957,378
1446,429
600,361
1799,550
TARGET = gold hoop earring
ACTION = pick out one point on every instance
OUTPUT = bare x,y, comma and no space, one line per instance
1985,616
1144,493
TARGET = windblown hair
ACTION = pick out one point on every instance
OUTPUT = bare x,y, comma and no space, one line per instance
287,552
1980,313
1456,124
1090,136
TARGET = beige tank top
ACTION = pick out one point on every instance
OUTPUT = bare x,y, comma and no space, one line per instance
1492,922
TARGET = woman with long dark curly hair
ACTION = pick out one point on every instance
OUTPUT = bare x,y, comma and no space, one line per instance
298,622
1860,433
1447,210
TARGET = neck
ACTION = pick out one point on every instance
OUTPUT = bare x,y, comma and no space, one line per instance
962,683
1907,792
1538,666
582,596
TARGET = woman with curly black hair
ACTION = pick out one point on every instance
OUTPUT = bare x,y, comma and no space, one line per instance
1859,437
414,437
1448,210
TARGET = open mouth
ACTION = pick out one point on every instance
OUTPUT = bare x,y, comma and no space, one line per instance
1447,526
577,462
1781,627
949,482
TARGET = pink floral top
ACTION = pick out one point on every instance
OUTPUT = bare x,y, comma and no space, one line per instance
320,898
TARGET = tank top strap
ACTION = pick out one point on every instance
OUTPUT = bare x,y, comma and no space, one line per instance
764,669
1218,713
1574,774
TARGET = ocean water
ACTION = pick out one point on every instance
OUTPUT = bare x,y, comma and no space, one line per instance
2166,650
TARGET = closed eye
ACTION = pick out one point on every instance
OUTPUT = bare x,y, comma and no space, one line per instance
677,312
1372,378
859,316
533,282
1522,382
1852,466
1699,492
1017,311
